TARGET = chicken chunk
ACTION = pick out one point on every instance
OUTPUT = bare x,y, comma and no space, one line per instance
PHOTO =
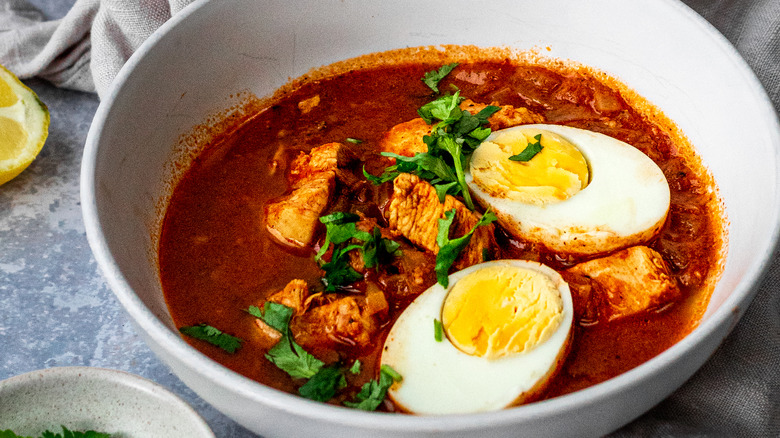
307,105
293,296
406,138
506,117
415,210
348,320
630,281
294,219
327,157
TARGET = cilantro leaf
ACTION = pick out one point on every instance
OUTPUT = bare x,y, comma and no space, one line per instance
372,393
378,250
10,434
293,359
338,272
324,385
339,227
213,336
66,433
445,109
423,164
448,143
455,134
274,314
449,249
353,140
286,354
355,368
433,77
530,151
438,330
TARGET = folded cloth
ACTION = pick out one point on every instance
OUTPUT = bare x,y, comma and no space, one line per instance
85,49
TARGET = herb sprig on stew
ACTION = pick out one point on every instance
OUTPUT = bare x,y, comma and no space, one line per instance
433,77
455,133
66,433
449,249
530,151
340,227
323,382
213,336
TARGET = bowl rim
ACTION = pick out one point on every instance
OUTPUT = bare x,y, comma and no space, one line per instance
729,312
129,381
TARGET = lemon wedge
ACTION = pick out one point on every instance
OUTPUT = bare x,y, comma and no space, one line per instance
24,125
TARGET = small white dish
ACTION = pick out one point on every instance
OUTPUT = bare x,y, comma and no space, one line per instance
104,400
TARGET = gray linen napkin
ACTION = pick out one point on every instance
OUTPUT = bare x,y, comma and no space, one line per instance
85,49
736,393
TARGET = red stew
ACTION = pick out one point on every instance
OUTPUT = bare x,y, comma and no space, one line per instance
216,257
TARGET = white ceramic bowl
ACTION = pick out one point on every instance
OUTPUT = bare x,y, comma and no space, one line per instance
86,398
196,61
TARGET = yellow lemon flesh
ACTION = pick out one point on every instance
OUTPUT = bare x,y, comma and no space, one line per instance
501,311
553,175
24,126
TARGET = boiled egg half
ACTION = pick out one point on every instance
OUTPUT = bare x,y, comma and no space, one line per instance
503,330
584,193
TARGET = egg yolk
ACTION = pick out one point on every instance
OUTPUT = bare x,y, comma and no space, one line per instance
552,175
502,310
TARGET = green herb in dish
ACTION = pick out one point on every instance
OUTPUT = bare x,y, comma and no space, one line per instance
530,151
455,133
66,433
450,248
373,392
438,330
286,354
213,336
433,77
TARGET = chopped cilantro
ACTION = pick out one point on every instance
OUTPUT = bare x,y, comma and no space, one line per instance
433,77
355,368
448,143
444,109
213,336
454,136
372,393
324,385
286,354
378,250
530,151
442,190
293,359
387,369
353,140
338,272
274,314
450,248
438,330
66,433
340,227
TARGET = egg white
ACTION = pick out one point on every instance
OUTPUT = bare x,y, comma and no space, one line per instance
438,378
625,203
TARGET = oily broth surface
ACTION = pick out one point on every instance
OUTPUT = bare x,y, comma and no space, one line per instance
216,257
